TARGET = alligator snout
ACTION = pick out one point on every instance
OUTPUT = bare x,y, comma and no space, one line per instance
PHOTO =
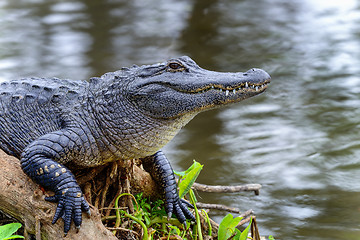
258,74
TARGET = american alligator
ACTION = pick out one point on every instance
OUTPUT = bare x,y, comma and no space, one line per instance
54,125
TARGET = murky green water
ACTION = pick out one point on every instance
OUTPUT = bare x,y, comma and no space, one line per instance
300,139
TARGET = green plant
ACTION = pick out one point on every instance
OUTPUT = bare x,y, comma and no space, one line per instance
188,177
227,228
132,217
7,231
151,215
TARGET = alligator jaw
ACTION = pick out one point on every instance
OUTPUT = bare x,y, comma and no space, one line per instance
243,88
225,88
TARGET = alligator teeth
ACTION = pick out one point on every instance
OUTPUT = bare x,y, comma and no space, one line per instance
234,91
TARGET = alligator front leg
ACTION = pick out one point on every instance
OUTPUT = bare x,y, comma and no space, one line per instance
160,169
38,162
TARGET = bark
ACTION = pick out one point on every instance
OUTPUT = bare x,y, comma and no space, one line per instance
23,200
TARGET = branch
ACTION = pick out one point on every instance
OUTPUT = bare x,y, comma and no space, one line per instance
222,207
227,189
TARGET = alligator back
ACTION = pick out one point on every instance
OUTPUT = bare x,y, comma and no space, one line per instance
32,107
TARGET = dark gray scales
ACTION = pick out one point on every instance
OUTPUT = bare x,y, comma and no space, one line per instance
30,109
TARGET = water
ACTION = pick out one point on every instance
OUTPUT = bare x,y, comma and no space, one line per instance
300,139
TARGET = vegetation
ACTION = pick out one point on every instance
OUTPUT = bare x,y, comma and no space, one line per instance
227,228
148,219
7,231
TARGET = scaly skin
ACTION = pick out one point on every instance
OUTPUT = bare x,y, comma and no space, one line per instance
54,125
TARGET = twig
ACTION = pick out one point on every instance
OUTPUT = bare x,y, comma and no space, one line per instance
254,230
217,207
247,213
227,189
226,208
243,221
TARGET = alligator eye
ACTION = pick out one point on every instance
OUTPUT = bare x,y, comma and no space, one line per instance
175,67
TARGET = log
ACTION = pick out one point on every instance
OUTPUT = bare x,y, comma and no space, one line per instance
22,199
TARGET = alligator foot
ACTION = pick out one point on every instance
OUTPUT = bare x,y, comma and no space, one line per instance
160,169
69,208
56,177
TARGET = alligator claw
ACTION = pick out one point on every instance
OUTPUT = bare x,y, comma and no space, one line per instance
187,203
179,208
169,215
70,206
85,207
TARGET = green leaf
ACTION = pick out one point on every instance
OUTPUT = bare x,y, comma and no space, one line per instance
147,220
7,230
238,234
147,206
227,226
175,229
14,237
223,227
235,222
188,178
245,233
180,174
183,173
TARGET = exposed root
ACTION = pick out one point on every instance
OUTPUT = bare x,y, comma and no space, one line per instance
101,186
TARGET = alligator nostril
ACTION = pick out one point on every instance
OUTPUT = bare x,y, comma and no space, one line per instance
251,71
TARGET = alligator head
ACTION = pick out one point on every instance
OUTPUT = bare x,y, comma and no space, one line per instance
180,87
142,108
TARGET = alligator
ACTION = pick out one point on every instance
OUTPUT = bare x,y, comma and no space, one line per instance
55,125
